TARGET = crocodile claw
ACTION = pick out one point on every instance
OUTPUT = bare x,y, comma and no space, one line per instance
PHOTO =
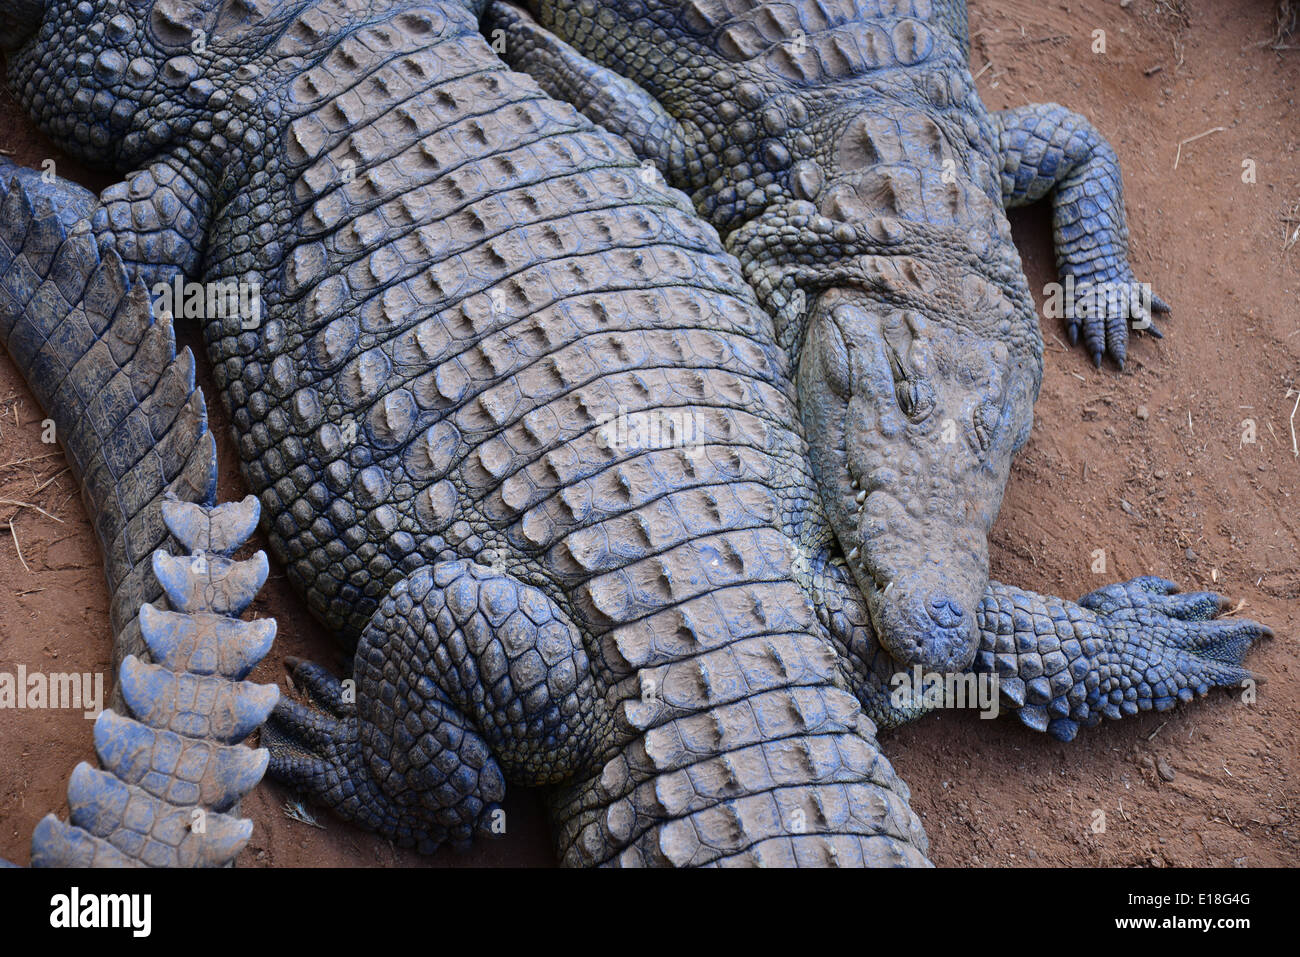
313,749
325,750
1105,308
310,738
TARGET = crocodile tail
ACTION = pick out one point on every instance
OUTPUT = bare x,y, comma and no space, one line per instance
105,369
134,428
173,776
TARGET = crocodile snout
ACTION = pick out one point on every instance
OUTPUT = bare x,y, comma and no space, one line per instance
925,626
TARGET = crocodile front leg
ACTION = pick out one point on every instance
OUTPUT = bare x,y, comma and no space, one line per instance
1045,147
1125,648
1128,647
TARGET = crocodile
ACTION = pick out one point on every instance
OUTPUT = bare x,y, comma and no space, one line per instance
842,150
524,439
466,291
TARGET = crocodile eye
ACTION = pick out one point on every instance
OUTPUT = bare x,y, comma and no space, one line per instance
915,398
922,400
986,420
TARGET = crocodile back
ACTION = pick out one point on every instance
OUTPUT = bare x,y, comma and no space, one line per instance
489,332
468,324
775,99
460,278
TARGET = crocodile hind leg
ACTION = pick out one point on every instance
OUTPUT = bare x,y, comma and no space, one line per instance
599,93
1045,146
465,677
155,220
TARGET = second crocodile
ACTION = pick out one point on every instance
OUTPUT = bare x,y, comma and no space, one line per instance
843,152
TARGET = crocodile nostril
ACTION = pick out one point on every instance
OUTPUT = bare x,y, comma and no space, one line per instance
945,611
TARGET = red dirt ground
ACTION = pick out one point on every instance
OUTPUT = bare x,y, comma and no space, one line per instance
1149,465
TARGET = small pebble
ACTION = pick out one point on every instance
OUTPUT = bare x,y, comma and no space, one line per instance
1143,413
1164,770
1191,555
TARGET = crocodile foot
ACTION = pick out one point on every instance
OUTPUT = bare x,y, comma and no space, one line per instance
1102,309
465,677
1046,148
1133,646
318,750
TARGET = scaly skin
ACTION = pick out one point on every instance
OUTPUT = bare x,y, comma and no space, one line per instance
459,277
844,154
124,405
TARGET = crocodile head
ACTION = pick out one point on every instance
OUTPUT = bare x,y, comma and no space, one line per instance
912,423
19,20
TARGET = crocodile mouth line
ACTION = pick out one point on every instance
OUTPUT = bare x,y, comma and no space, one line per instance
855,556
